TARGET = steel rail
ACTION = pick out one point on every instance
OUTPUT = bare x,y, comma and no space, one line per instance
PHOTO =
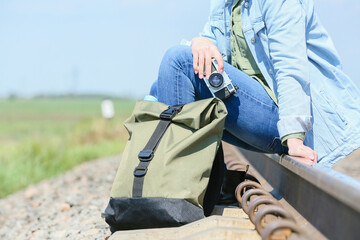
328,200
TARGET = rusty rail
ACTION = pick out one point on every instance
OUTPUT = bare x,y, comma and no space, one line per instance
328,201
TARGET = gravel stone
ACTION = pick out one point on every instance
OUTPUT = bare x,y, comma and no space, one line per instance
65,207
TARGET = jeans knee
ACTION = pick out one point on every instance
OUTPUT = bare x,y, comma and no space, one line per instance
179,54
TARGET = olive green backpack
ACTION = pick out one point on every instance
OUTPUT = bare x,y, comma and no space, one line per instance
165,169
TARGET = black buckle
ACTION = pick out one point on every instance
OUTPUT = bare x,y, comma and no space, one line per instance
169,113
146,155
142,172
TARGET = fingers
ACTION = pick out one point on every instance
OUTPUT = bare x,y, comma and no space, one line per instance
306,152
204,63
201,64
208,64
196,61
298,149
303,160
303,151
203,51
307,155
219,61
316,157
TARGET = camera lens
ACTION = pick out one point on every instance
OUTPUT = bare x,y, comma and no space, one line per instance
216,80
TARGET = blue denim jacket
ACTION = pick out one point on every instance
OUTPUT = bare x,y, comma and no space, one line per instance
300,64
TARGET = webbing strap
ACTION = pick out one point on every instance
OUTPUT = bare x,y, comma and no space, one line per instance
147,154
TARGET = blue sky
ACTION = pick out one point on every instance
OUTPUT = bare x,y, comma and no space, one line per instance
115,46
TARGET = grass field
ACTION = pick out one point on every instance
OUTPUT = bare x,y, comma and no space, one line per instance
40,138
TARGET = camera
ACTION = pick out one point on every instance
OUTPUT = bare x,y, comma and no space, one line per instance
219,84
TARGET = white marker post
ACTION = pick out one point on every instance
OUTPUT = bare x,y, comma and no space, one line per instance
107,109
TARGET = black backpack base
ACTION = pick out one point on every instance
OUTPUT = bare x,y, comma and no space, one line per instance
164,212
143,213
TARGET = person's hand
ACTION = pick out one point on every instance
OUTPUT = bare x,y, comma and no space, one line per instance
301,152
203,51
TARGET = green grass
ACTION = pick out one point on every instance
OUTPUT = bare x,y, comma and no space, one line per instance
40,138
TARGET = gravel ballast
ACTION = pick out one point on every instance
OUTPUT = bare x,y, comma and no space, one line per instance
65,207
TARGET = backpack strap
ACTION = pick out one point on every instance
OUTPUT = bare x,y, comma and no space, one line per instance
147,154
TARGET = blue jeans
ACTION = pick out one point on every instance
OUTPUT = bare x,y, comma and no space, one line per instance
252,114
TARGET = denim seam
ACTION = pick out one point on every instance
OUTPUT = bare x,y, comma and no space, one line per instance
177,88
178,95
257,100
188,63
182,69
270,146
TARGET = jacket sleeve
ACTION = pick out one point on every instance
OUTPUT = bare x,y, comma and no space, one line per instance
208,33
286,30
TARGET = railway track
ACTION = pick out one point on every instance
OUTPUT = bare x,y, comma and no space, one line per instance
290,201
326,205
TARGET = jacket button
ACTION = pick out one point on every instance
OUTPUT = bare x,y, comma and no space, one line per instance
270,71
253,40
246,4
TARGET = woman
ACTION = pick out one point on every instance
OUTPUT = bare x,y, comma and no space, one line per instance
293,96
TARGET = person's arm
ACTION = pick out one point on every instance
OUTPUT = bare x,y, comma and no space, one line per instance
204,47
285,25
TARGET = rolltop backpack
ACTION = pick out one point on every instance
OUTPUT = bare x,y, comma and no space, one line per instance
171,169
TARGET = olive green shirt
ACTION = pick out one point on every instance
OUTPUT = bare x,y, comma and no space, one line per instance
242,58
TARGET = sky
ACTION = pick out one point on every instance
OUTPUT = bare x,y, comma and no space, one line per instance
115,47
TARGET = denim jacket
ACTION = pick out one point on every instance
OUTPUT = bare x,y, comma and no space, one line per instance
300,64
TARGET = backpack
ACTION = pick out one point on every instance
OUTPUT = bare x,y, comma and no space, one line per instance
164,174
